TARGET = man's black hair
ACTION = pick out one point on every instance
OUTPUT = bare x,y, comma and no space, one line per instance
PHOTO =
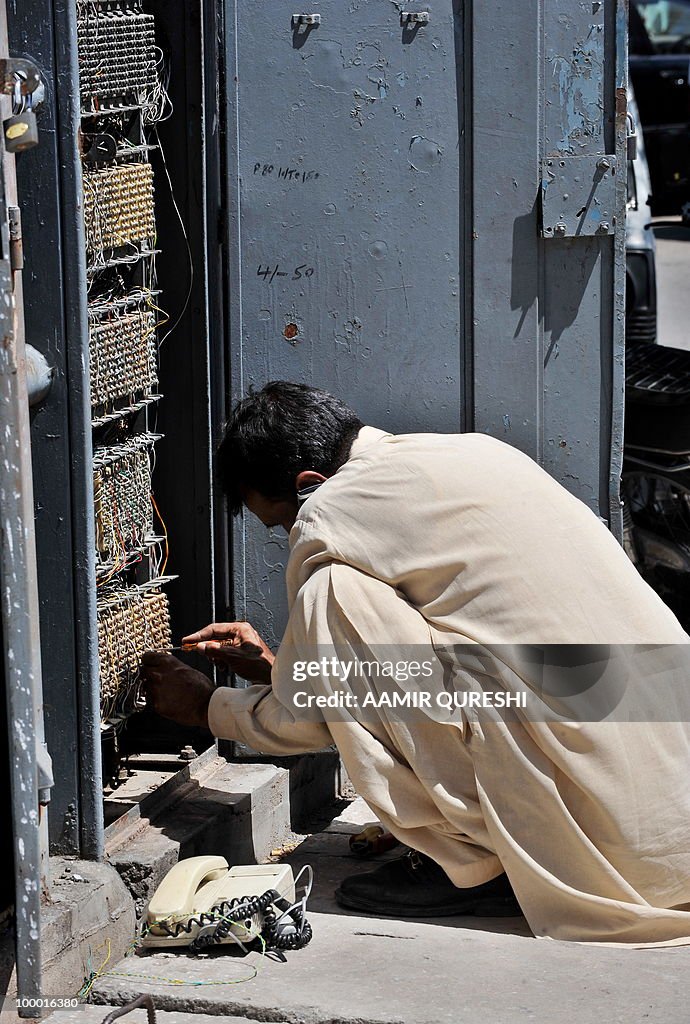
274,434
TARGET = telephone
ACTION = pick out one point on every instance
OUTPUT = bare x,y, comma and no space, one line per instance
202,901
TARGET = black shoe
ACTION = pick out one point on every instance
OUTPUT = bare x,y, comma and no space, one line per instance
415,886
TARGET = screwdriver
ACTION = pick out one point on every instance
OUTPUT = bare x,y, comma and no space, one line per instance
228,645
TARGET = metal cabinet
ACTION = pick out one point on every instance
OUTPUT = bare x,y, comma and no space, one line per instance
116,148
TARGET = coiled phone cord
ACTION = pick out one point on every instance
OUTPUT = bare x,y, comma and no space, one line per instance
233,911
271,933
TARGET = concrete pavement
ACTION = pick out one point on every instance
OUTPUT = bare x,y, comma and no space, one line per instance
370,970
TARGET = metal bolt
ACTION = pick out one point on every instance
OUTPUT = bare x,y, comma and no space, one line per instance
560,229
603,164
188,753
604,226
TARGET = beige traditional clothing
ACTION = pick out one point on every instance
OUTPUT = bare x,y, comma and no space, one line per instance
423,541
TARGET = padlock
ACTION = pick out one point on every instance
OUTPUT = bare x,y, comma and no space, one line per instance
20,132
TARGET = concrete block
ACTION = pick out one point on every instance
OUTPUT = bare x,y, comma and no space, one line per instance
353,818
90,907
314,785
314,782
144,864
240,811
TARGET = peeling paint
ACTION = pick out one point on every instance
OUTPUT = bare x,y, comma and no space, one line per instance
424,153
328,70
576,102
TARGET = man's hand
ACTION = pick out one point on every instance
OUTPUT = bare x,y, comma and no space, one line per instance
236,646
176,691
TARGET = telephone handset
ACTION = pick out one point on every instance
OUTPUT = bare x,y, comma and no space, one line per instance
202,901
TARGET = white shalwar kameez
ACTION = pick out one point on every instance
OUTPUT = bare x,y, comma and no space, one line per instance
424,541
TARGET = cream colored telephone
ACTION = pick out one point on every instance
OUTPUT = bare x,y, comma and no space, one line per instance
202,901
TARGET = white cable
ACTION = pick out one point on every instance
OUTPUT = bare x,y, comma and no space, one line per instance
186,241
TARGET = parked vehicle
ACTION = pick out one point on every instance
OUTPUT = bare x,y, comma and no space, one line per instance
656,470
640,293
660,73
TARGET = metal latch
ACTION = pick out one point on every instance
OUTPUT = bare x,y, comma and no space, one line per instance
15,70
578,196
631,137
306,19
415,17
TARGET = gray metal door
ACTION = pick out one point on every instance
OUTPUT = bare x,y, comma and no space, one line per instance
346,217
426,216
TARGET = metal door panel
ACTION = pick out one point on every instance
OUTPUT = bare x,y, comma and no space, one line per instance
346,223
547,339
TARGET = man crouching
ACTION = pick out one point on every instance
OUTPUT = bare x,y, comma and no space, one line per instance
459,550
